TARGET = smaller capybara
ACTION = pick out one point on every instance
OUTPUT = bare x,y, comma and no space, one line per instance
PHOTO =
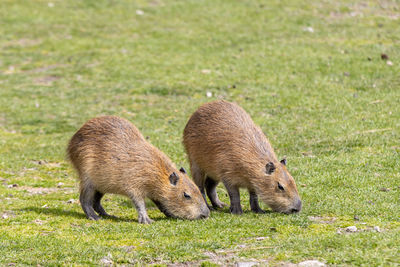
111,156
224,144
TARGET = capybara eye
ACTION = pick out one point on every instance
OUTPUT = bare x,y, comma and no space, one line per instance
280,187
186,195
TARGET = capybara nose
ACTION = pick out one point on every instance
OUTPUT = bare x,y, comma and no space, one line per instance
205,213
297,207
203,216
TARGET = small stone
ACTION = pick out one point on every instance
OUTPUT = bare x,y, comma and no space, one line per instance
390,63
4,216
139,12
346,73
261,238
71,201
311,263
209,94
106,261
378,229
45,206
308,29
384,189
12,185
356,218
246,264
60,184
351,229
205,71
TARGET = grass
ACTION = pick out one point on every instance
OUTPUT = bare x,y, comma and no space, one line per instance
309,73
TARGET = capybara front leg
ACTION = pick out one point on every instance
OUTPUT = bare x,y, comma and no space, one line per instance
199,179
211,188
254,203
141,209
234,196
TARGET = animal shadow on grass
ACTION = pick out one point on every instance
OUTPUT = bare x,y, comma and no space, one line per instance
79,215
245,211
69,213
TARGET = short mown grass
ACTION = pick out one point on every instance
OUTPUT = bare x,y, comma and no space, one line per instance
309,73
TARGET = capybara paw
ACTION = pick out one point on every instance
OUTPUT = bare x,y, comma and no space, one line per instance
105,214
94,217
258,210
145,220
219,205
236,210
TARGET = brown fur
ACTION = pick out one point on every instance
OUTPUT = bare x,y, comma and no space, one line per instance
111,156
224,144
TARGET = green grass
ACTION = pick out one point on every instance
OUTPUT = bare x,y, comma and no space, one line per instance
325,99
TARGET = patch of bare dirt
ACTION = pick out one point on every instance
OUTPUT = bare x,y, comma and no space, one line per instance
7,214
353,229
321,219
24,42
45,68
382,8
46,80
45,190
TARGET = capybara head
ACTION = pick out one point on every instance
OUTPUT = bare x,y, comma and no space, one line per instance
278,188
182,198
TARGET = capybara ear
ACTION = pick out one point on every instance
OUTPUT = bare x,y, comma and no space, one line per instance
173,178
182,170
283,161
270,167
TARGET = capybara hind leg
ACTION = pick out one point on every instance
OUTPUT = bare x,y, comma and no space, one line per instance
97,205
211,186
87,199
141,209
234,196
198,178
254,203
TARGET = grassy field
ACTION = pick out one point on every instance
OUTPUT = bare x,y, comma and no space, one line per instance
310,73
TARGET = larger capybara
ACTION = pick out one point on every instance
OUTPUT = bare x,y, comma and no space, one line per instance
224,144
111,156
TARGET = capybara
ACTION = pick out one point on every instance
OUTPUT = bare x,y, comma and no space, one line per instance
111,156
224,144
